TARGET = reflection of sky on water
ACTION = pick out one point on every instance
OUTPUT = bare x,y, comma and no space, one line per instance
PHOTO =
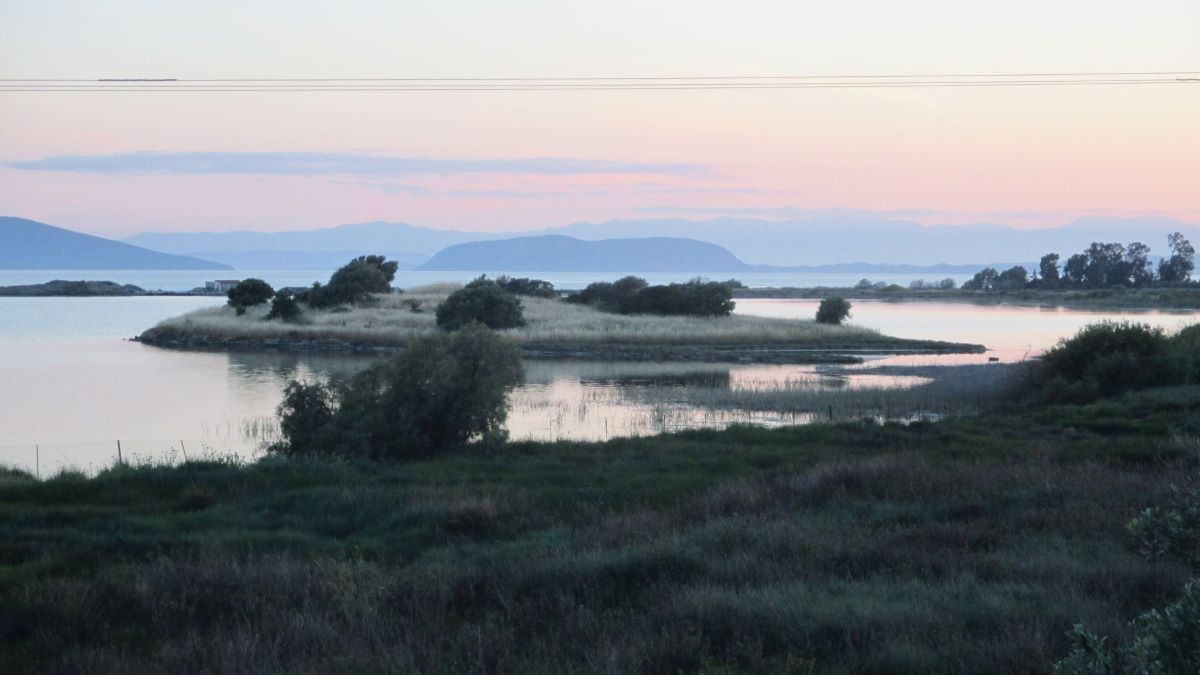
72,384
1009,332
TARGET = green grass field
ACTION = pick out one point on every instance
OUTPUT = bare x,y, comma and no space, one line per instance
968,545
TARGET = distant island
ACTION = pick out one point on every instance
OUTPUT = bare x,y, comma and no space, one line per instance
557,253
30,245
60,287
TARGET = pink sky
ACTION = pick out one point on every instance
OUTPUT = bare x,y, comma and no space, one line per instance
957,155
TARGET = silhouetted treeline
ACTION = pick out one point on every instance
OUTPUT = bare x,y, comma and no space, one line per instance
632,295
1102,265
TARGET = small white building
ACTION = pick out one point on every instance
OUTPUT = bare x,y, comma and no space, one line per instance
221,285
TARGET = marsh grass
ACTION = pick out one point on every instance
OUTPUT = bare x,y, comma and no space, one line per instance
969,545
390,320
890,393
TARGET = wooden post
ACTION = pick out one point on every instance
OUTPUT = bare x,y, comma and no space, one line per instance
120,460
831,413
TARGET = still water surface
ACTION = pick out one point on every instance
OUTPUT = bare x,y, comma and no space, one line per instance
71,384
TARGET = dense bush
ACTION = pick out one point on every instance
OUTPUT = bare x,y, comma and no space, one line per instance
1163,640
833,310
354,282
285,308
632,295
1172,529
481,301
535,288
611,296
438,394
249,292
1108,358
305,417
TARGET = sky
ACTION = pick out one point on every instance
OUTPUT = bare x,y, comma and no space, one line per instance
115,164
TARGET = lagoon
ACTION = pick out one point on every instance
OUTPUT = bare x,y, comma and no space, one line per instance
72,384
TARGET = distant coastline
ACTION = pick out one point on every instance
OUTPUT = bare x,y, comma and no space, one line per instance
1182,298
61,288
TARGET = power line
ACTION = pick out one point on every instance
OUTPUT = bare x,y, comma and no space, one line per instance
622,78
671,83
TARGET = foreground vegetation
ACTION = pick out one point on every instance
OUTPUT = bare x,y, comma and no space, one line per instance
552,328
970,545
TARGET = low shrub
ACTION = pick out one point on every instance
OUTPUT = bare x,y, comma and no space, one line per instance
1164,640
1108,358
632,295
285,308
833,311
481,301
534,288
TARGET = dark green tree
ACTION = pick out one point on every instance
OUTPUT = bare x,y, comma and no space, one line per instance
481,301
984,280
1137,263
1177,268
438,394
1106,265
306,418
1048,270
833,310
354,282
1012,278
249,292
1075,270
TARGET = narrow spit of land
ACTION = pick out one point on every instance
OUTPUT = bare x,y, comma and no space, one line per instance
1181,298
554,329
62,288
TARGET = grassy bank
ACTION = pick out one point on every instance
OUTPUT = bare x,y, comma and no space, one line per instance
970,545
554,329
1106,298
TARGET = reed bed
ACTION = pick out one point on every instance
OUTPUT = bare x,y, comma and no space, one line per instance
919,392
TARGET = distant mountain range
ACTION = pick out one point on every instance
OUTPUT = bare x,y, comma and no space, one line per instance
30,245
557,253
862,241
320,249
852,244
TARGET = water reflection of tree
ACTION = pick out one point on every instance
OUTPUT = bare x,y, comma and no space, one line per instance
285,366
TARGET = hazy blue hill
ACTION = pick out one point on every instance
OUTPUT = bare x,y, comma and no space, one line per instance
305,260
30,245
311,249
557,253
840,237
824,238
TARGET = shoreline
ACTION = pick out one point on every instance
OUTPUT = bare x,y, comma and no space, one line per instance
766,353
1162,299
